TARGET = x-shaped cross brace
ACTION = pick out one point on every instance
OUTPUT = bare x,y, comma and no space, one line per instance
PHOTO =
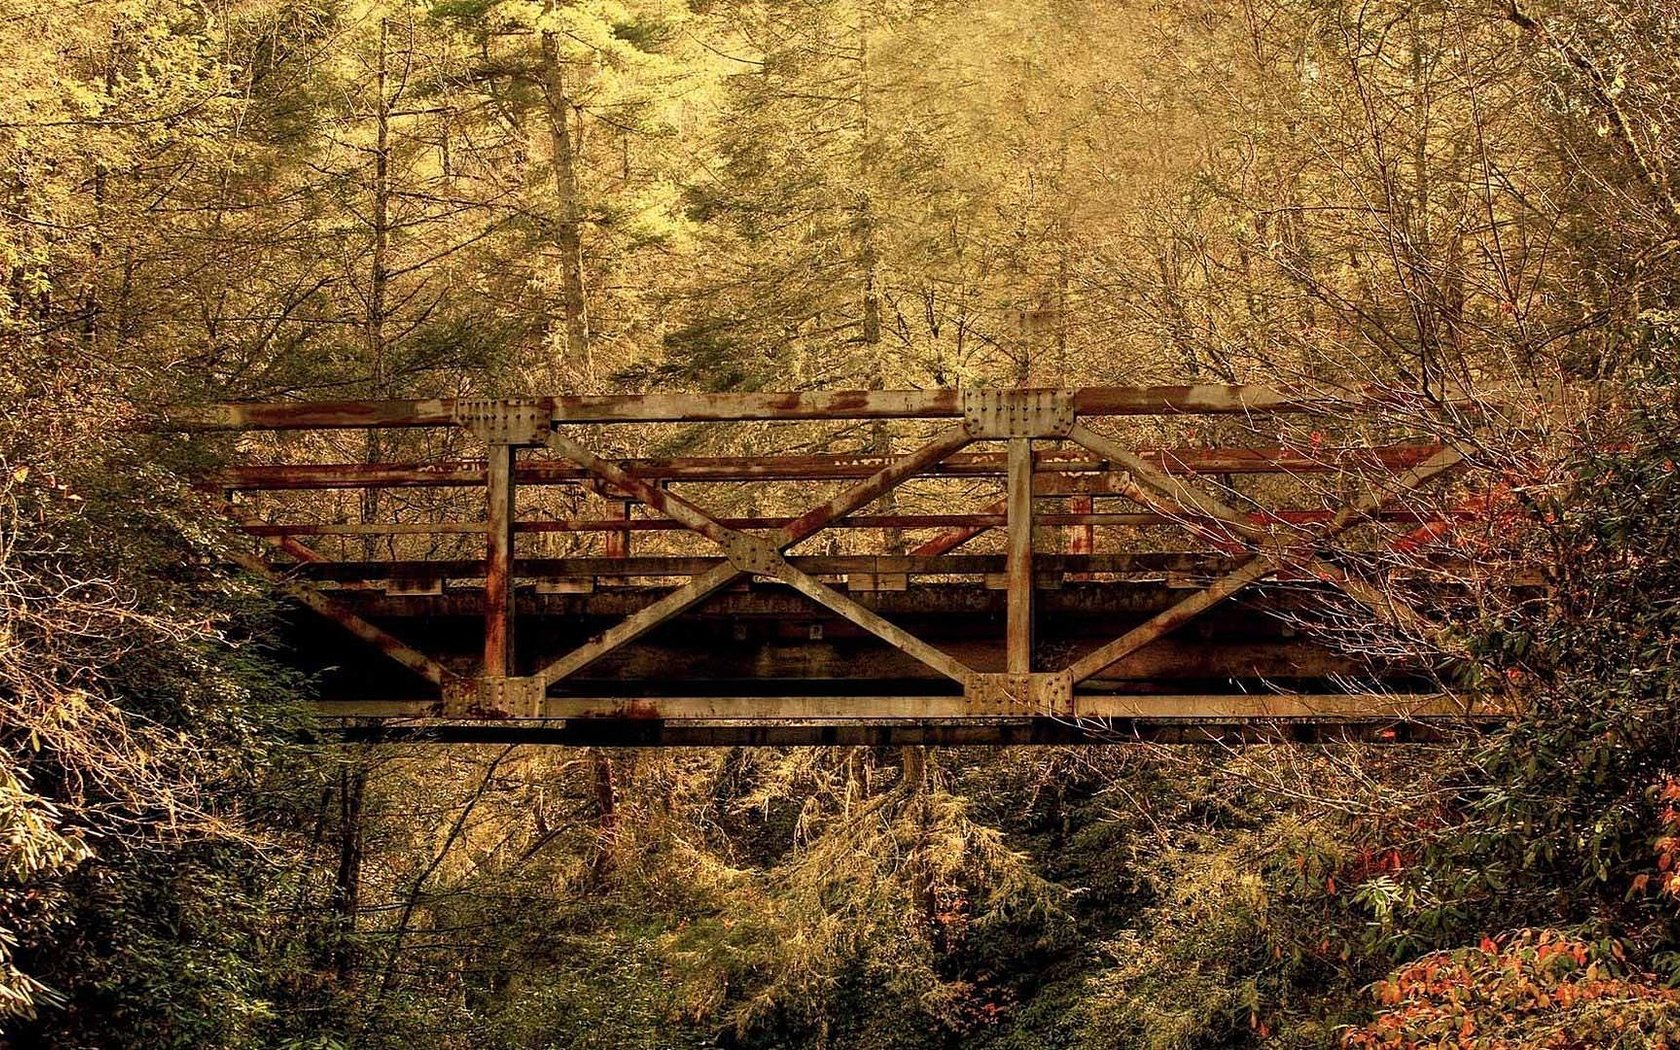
1198,512
759,556
1162,492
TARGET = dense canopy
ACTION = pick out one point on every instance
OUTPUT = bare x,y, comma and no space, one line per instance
269,201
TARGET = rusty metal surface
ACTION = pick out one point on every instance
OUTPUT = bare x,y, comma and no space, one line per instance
878,625
1136,643
1018,563
967,732
1069,604
989,413
1153,563
994,696
1050,462
1159,625
968,525
958,527
504,421
873,487
758,554
639,623
946,403
498,563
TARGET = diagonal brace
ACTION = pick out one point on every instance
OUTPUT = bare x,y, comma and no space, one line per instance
285,544
374,635
1170,619
1385,606
743,549
639,623
1176,497
670,504
777,567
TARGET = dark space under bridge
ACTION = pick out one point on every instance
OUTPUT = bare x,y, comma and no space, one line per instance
1040,565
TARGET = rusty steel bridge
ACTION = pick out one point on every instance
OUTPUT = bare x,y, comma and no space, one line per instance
1040,565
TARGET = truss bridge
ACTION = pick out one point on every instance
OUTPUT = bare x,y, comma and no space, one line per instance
989,566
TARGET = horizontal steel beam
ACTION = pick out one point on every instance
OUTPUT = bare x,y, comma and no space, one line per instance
969,606
988,732
468,473
1195,708
657,565
1143,562
945,403
856,521
772,660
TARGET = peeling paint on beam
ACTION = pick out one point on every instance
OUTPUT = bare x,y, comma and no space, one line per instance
1192,399
857,521
1147,562
1194,708
654,565
968,733
469,473
773,664
976,605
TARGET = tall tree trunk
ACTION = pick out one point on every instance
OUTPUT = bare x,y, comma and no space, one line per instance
379,277
606,812
92,307
347,879
917,787
568,236
880,437
1064,233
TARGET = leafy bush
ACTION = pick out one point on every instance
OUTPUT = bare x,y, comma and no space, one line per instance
1531,989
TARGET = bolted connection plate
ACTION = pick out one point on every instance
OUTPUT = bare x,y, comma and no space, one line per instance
1021,694
1018,413
501,421
504,697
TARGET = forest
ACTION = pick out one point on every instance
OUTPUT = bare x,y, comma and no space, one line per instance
260,201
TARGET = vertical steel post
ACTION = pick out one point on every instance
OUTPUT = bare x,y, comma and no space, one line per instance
618,541
1081,539
1019,569
498,563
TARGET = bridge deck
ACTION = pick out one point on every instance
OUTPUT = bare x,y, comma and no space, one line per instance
1083,617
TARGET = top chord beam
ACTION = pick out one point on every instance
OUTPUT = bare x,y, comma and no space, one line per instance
947,403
